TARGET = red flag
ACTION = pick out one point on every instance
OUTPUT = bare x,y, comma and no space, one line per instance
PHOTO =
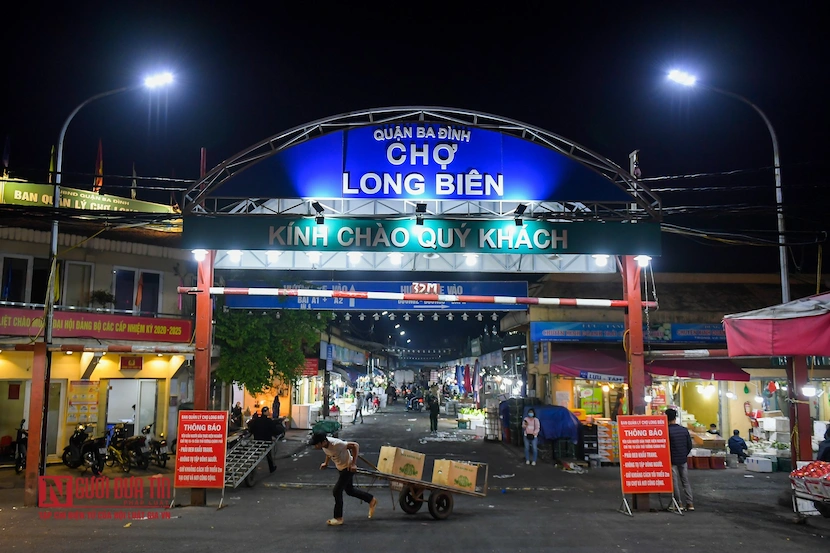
139,293
99,170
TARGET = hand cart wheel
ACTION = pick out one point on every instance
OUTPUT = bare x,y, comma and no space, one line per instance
410,500
440,504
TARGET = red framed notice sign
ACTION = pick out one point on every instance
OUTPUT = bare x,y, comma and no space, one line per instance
200,449
645,459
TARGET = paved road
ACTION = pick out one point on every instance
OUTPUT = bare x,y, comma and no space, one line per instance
537,508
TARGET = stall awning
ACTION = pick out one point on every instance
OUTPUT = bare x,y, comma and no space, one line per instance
589,365
611,366
799,327
338,371
704,369
350,374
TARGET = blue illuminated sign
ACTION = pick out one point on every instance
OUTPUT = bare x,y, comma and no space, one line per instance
613,332
508,288
423,161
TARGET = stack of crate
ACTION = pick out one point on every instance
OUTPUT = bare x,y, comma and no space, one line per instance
607,441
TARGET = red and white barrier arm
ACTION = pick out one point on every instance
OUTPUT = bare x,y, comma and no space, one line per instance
394,296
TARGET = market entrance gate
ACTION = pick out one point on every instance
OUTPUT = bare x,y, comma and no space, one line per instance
423,190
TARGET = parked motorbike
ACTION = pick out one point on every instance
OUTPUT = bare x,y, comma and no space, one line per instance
84,450
116,450
158,448
138,450
20,448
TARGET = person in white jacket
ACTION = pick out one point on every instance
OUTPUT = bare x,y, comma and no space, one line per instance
531,428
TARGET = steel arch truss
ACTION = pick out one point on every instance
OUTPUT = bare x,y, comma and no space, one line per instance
204,196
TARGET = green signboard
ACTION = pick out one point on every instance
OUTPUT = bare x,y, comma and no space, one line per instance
406,236
40,195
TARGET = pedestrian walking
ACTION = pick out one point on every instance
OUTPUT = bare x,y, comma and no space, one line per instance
531,427
680,445
434,409
344,454
358,407
275,407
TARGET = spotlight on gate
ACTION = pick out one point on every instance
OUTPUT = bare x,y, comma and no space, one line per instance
520,209
642,260
318,207
235,256
470,259
273,256
518,221
395,258
420,208
601,259
419,220
199,255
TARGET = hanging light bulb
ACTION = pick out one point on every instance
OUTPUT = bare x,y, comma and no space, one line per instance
605,388
809,390
730,394
758,397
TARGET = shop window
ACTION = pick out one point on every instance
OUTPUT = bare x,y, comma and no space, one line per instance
137,290
15,284
77,284
40,279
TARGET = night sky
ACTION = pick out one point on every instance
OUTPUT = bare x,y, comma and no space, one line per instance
596,75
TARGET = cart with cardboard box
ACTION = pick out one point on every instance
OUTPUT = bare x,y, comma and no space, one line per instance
404,471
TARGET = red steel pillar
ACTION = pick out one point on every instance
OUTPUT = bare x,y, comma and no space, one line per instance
204,345
801,448
634,329
37,399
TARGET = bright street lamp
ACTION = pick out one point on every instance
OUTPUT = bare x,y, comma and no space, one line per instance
49,302
686,79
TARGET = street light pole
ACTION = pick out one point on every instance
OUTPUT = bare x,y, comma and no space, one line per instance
49,316
688,80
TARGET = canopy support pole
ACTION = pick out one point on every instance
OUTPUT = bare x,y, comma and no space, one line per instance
801,448
201,369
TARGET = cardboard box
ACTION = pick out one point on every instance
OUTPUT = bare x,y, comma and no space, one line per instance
455,474
776,424
782,437
401,462
758,464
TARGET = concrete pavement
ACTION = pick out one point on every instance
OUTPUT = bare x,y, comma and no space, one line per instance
537,508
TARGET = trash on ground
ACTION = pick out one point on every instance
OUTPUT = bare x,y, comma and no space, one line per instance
503,475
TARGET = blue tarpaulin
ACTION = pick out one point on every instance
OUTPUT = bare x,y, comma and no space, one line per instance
556,422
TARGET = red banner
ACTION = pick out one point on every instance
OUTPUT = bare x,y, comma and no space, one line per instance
29,322
645,459
312,366
200,449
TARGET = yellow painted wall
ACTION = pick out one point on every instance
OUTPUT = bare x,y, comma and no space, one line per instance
16,366
562,385
12,410
705,409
